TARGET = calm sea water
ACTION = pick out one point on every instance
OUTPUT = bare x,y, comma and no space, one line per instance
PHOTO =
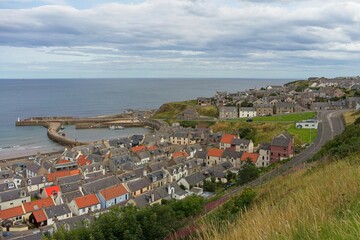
87,97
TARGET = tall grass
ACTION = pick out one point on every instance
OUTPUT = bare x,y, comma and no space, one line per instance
318,203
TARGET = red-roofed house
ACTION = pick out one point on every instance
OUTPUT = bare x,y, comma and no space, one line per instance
138,148
252,156
51,191
52,177
180,154
226,140
82,161
113,195
38,218
152,148
214,156
85,204
36,205
14,214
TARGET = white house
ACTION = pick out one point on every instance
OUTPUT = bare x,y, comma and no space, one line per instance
14,198
85,204
264,155
58,212
247,112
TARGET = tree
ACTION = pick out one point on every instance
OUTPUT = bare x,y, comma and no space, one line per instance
230,176
246,104
248,172
357,121
209,186
247,133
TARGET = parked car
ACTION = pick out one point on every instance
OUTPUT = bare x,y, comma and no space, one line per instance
249,120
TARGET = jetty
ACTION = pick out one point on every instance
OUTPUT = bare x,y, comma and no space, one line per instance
53,124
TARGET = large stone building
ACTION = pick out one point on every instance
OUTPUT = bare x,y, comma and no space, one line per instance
228,112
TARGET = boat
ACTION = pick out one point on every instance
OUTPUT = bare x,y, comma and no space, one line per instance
116,127
62,127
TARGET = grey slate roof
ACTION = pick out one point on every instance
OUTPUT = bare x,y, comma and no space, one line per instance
138,184
65,188
230,153
37,180
58,210
247,109
265,146
238,142
69,179
95,157
95,186
33,167
68,197
13,194
282,140
75,222
156,176
195,178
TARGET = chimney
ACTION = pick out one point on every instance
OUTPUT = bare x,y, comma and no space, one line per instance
144,172
152,197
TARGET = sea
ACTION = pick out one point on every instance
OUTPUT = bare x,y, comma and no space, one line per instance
24,98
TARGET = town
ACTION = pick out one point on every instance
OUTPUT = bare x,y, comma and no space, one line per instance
52,191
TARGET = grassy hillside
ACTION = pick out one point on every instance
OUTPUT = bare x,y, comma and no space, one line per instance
172,109
351,116
321,201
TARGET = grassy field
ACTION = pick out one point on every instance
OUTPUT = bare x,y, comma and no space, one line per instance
172,109
266,131
351,116
318,203
291,117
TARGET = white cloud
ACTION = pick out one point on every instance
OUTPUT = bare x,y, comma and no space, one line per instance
183,34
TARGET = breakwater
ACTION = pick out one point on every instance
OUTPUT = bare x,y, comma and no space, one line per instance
53,125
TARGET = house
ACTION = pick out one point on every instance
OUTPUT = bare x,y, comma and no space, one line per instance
283,108
158,178
32,206
14,198
352,102
214,156
317,106
32,169
13,214
82,161
181,138
58,212
247,112
85,204
203,101
176,172
282,147
216,174
38,218
7,186
228,112
307,124
232,156
264,109
188,114
75,222
70,155
138,187
243,145
264,155
250,156
194,180
226,141
113,195
176,192
34,184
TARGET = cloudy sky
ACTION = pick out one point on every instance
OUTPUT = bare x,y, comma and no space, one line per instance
179,38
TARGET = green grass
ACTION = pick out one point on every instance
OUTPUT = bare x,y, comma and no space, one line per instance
302,135
172,109
291,117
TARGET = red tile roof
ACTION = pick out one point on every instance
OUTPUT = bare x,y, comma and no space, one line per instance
137,148
227,138
152,148
63,161
11,212
87,201
113,192
82,161
52,190
51,177
38,204
215,152
179,154
40,215
253,156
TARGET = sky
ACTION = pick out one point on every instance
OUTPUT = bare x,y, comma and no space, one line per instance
179,38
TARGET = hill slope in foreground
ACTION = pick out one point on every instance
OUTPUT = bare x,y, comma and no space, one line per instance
321,201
